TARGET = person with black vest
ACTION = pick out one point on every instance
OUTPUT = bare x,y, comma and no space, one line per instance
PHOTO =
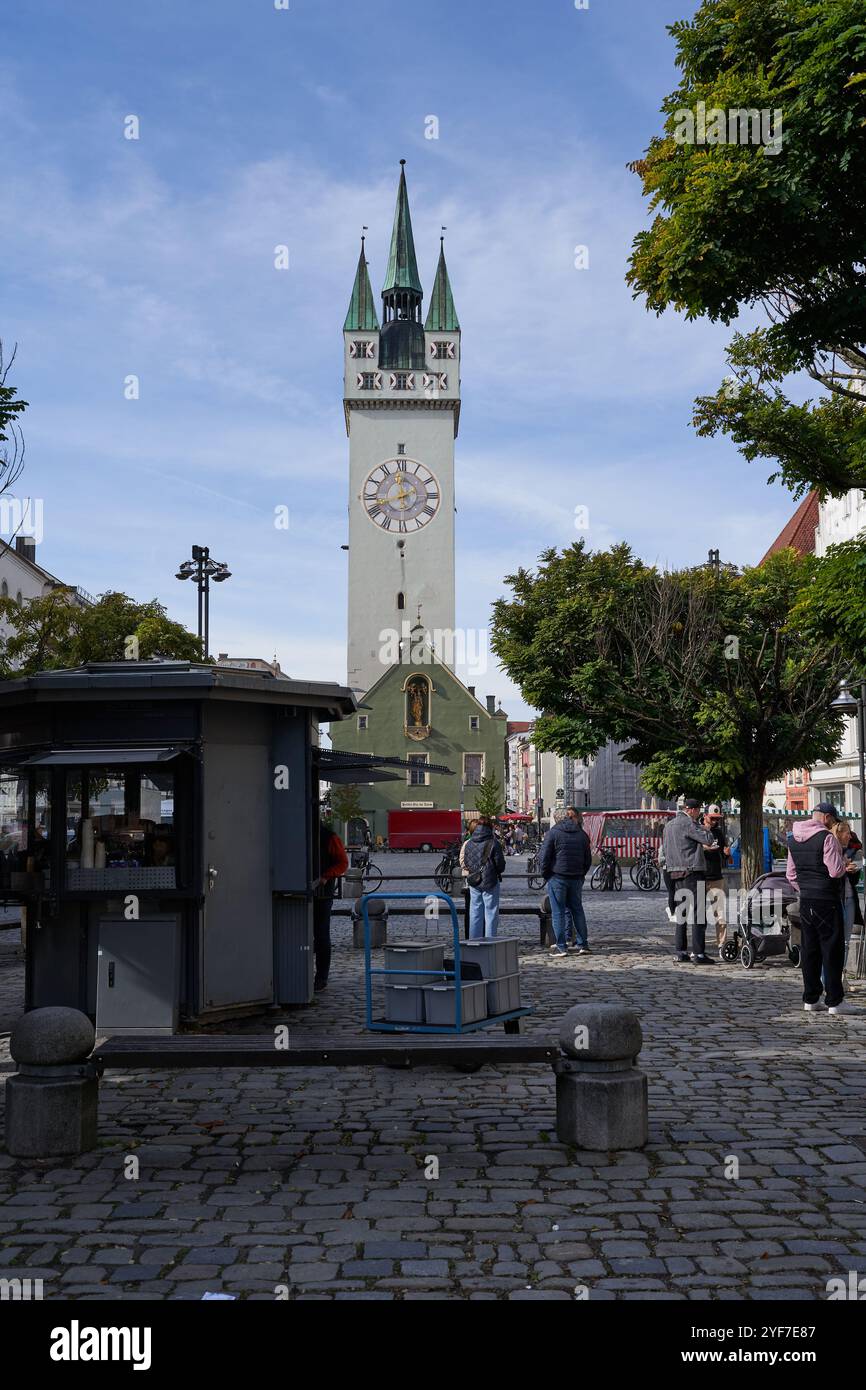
816,868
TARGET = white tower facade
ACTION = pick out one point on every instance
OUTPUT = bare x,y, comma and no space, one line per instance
402,406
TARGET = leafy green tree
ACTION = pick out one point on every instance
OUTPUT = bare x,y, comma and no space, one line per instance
488,798
345,802
707,677
777,229
55,631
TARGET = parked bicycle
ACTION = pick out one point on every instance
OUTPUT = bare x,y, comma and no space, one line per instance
447,867
372,875
607,874
644,872
534,878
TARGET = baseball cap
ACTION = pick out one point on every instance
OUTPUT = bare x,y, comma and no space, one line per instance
714,810
692,803
827,809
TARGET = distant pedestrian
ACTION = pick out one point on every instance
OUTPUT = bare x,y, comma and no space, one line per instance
483,866
333,863
684,844
715,858
565,859
816,868
519,837
851,914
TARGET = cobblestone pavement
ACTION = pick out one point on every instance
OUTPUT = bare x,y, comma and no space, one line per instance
313,1182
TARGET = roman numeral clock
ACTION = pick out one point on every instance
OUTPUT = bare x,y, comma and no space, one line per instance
401,496
401,399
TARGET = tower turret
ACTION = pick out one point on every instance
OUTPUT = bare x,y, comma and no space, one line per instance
401,344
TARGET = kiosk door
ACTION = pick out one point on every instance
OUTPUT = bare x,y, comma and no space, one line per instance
237,936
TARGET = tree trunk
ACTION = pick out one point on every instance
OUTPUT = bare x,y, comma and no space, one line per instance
751,797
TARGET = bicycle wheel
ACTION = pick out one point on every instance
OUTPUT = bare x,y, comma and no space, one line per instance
372,877
617,877
597,876
635,872
655,878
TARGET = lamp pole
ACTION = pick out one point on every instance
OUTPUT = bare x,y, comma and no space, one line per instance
855,706
203,569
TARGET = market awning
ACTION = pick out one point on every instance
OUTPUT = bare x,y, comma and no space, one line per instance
104,757
363,766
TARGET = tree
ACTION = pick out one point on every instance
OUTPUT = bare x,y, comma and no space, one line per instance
488,798
345,802
11,438
56,631
706,676
779,228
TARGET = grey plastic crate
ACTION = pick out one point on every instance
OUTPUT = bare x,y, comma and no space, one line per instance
503,995
497,956
414,955
440,1003
404,1004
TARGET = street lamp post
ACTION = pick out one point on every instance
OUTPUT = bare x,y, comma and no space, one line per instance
203,569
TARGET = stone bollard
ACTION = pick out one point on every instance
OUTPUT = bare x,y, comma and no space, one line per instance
377,911
353,883
546,936
601,1093
51,1102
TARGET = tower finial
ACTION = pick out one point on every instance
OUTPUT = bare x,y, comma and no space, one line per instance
402,162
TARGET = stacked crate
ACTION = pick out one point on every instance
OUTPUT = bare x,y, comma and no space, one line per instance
500,971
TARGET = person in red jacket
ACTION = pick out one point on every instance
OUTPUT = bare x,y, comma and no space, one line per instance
333,863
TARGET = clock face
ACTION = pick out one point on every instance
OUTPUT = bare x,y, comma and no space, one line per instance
401,495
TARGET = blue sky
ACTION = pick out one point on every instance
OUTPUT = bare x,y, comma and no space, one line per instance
261,127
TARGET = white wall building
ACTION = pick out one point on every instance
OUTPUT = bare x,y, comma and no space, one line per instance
21,578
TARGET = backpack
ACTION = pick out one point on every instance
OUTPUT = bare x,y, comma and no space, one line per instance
475,880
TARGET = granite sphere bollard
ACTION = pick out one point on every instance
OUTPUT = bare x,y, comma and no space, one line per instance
353,883
377,911
51,1102
601,1093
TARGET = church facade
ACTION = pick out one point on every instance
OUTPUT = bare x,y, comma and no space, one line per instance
401,402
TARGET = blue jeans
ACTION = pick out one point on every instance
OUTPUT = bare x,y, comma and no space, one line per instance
566,899
483,912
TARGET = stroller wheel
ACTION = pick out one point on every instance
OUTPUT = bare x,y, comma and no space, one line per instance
747,956
794,955
728,951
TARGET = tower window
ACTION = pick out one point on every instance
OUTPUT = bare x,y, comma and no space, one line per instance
441,349
369,381
5,590
401,601
402,381
361,348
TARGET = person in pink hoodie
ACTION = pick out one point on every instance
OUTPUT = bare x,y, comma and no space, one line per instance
816,868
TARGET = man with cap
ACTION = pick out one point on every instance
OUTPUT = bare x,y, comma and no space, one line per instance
816,868
715,863
684,844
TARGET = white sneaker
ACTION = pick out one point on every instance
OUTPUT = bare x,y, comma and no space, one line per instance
814,1008
840,1009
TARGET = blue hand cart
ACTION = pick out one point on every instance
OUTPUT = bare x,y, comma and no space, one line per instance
510,1020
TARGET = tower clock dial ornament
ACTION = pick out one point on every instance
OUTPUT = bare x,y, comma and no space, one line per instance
401,495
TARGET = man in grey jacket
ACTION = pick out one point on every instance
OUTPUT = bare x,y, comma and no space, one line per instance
684,843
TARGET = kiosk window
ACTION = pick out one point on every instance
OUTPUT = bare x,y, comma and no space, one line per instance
120,818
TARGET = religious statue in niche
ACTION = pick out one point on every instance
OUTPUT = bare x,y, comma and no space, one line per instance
416,722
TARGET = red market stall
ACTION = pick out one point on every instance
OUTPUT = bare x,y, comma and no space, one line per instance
625,832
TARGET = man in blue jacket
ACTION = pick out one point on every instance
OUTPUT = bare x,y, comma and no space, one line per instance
566,855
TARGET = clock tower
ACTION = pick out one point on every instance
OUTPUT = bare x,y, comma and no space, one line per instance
402,406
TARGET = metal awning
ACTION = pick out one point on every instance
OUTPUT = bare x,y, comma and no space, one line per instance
348,775
105,757
333,760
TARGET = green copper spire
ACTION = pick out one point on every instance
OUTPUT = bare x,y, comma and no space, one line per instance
362,316
402,273
442,316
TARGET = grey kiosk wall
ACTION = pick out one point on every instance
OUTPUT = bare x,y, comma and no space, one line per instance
159,824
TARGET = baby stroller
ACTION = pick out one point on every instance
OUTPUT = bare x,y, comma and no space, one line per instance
767,924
